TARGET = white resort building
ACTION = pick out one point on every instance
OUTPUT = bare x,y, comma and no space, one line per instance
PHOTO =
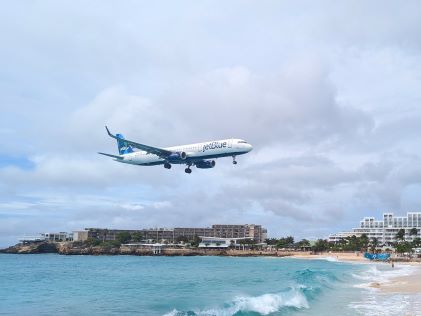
384,230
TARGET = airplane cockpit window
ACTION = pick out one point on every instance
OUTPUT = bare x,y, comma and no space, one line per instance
242,142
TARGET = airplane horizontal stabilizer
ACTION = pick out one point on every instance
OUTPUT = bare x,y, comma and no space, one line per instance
112,156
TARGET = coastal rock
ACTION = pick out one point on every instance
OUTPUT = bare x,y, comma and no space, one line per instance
81,248
32,248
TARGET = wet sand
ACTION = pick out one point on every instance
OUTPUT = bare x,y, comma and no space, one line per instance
410,284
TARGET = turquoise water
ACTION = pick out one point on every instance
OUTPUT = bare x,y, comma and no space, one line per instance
129,285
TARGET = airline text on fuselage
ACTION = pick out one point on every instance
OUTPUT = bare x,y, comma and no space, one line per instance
214,145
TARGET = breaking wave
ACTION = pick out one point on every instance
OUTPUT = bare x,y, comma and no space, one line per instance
374,275
304,287
264,304
375,303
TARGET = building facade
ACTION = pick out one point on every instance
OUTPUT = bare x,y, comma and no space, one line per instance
61,236
384,230
255,232
219,242
80,235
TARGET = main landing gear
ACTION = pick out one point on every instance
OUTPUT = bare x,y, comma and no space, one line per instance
234,162
187,170
167,165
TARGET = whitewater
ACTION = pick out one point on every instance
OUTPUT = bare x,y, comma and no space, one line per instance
190,286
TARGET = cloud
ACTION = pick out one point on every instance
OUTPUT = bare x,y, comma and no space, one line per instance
327,94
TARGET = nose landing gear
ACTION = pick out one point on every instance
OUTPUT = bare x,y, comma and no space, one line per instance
234,162
187,170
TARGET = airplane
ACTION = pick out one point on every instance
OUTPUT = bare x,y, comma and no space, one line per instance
201,155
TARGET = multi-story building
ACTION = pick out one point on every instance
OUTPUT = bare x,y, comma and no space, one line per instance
256,232
104,234
384,230
80,235
61,236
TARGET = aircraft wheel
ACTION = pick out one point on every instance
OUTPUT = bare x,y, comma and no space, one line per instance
167,165
187,170
234,162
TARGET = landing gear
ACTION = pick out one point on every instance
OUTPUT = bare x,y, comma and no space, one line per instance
167,165
187,170
234,162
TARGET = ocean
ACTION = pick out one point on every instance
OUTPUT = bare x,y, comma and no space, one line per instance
49,284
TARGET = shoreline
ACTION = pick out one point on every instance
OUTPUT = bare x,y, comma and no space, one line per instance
408,282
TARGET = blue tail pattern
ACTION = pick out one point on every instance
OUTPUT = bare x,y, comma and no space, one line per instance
123,147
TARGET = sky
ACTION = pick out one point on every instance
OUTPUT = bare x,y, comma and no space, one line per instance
327,92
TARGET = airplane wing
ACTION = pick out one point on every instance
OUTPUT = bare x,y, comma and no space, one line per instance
162,153
112,156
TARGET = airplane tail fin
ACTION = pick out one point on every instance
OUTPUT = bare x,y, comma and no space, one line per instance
123,147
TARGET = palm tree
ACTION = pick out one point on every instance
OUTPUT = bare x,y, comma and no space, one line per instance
364,241
374,243
416,242
400,235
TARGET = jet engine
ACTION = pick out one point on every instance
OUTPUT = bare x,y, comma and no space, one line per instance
205,164
180,155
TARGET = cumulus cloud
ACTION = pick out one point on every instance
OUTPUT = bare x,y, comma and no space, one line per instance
328,95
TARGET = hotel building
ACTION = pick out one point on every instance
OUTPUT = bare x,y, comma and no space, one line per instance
255,232
384,230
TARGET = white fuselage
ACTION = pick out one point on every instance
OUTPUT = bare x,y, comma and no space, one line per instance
194,152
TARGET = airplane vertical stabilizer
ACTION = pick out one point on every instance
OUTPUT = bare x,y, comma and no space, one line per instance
123,146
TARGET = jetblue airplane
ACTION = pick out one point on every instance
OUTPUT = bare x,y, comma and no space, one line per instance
200,155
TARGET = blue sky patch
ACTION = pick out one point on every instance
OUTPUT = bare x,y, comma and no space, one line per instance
16,161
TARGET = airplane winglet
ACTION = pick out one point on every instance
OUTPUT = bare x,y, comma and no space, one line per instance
109,133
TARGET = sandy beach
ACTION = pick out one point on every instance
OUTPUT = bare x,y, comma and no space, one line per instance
339,256
410,283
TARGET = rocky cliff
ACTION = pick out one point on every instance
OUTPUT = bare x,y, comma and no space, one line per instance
77,248
36,247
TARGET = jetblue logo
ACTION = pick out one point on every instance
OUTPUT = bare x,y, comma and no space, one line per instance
214,145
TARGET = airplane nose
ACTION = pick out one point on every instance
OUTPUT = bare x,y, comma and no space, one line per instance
249,147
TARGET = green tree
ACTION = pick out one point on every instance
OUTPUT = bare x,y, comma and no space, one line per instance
352,243
110,244
247,242
374,243
271,241
281,243
413,232
285,242
123,237
400,235
416,242
93,241
403,247
303,243
183,239
321,245
196,241
137,236
363,242
289,240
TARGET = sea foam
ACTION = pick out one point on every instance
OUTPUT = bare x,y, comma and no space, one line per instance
376,303
264,304
374,274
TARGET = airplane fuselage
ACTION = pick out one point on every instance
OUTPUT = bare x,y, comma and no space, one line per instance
193,153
